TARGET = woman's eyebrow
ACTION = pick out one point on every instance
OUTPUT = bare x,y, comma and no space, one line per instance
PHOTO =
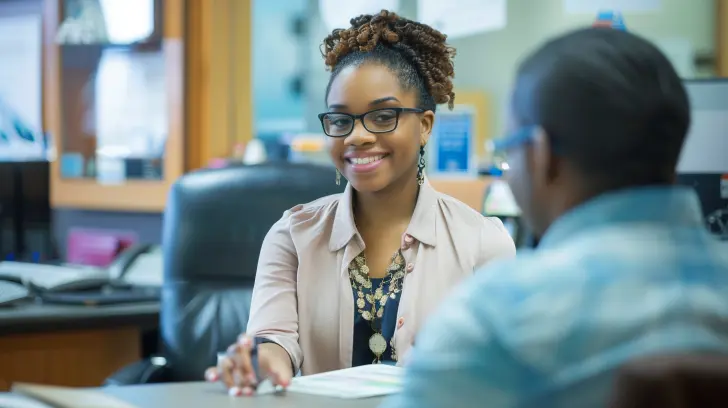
382,100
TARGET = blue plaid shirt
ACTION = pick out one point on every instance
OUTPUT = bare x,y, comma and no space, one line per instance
627,274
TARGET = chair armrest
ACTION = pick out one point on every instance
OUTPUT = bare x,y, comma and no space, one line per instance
152,370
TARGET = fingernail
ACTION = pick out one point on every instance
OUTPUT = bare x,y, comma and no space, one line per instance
235,392
246,341
247,391
212,377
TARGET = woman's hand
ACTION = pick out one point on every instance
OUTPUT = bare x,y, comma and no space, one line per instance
236,369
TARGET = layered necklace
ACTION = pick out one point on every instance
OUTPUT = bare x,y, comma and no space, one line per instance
370,302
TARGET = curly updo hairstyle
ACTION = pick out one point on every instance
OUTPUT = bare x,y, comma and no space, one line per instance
416,53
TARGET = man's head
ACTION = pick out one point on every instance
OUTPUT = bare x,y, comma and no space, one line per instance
595,110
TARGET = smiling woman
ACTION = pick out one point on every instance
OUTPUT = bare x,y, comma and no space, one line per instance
348,279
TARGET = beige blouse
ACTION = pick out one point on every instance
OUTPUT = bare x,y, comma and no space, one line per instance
303,299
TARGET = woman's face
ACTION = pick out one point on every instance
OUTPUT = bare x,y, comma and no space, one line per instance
375,161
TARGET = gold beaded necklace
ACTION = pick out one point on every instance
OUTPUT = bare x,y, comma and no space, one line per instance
371,305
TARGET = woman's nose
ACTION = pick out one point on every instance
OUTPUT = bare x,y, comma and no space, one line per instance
360,135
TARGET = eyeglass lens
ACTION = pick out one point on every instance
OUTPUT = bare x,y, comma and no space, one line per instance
379,121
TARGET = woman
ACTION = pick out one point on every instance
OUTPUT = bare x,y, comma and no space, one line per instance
348,279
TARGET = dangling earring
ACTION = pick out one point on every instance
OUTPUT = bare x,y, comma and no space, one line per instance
421,167
338,177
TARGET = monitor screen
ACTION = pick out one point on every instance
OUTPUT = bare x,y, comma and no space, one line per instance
706,148
21,137
703,162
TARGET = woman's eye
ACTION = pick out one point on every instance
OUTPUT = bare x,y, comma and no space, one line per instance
384,117
340,122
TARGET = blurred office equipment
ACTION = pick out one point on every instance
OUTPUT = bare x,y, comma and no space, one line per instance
116,108
134,276
12,291
498,201
214,225
308,148
704,159
25,213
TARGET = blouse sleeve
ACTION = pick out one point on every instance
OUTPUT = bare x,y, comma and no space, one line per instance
495,242
274,310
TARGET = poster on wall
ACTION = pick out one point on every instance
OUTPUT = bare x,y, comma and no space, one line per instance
21,137
461,18
624,6
453,142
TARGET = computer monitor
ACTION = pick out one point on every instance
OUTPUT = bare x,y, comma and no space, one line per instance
25,213
704,159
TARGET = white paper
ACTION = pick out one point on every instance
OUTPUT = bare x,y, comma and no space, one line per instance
624,6
460,18
20,86
367,381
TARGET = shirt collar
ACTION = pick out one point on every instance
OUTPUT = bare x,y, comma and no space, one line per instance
421,227
674,206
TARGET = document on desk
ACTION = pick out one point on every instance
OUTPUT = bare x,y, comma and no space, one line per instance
374,380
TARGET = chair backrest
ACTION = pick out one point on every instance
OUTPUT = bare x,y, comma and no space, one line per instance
214,225
672,381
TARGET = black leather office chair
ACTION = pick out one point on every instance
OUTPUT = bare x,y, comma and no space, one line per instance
214,225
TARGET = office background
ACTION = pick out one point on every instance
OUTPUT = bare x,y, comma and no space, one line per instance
252,69
162,88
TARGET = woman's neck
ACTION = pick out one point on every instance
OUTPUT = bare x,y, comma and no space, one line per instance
391,206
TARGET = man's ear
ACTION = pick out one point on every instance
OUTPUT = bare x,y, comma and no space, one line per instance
426,123
546,164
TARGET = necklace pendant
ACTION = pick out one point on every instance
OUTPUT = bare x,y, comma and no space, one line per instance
377,344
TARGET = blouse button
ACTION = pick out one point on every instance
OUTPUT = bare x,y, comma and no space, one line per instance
400,322
410,267
407,241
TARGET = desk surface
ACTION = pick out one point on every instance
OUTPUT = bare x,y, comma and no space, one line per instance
39,317
200,394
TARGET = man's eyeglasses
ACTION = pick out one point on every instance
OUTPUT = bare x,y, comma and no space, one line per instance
339,124
520,137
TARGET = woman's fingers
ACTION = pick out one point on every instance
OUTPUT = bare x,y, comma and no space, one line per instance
245,345
277,375
212,374
237,371
226,372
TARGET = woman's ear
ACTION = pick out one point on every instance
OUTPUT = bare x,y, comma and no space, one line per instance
426,123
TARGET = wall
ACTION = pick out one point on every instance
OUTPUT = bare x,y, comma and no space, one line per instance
279,57
488,61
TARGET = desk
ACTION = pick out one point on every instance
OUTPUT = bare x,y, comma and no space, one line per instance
199,394
77,346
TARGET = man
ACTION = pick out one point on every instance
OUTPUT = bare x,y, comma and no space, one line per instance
624,266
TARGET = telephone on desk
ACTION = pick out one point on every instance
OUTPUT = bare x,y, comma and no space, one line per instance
134,276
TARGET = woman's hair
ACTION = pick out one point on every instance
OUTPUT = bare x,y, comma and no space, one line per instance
416,53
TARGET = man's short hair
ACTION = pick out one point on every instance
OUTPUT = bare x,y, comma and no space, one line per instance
611,103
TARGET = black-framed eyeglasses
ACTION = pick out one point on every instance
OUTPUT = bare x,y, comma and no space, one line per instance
384,120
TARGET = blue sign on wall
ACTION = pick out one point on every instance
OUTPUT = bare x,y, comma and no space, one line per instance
453,137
